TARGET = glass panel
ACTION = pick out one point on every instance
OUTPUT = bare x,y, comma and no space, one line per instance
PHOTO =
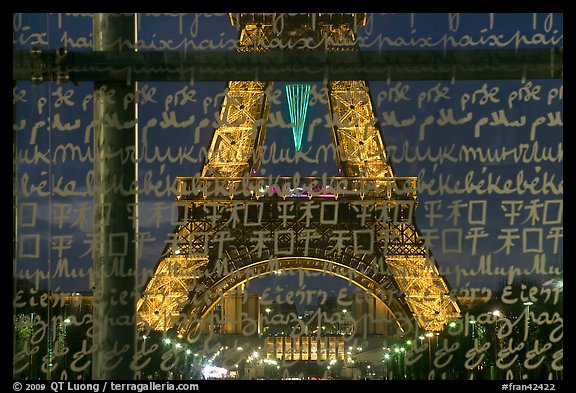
166,227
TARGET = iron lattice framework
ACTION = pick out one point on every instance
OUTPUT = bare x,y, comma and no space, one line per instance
235,226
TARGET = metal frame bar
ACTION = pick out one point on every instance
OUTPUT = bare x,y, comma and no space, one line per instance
107,66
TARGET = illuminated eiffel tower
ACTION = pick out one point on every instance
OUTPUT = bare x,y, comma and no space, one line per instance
235,226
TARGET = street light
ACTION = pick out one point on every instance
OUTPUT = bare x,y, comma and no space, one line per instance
528,304
386,366
429,335
473,323
498,315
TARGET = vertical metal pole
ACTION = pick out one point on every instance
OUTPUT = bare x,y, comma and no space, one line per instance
15,210
115,257
15,218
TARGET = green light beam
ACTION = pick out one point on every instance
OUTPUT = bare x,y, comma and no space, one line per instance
298,96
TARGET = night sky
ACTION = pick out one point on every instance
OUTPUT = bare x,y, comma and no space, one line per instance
437,152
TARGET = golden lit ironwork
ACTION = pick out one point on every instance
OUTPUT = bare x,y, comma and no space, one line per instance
235,228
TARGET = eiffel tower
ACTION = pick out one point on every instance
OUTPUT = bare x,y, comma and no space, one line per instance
235,226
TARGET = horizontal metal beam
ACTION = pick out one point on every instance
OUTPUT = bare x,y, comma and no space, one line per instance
102,66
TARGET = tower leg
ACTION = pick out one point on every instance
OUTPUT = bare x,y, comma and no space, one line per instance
234,150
